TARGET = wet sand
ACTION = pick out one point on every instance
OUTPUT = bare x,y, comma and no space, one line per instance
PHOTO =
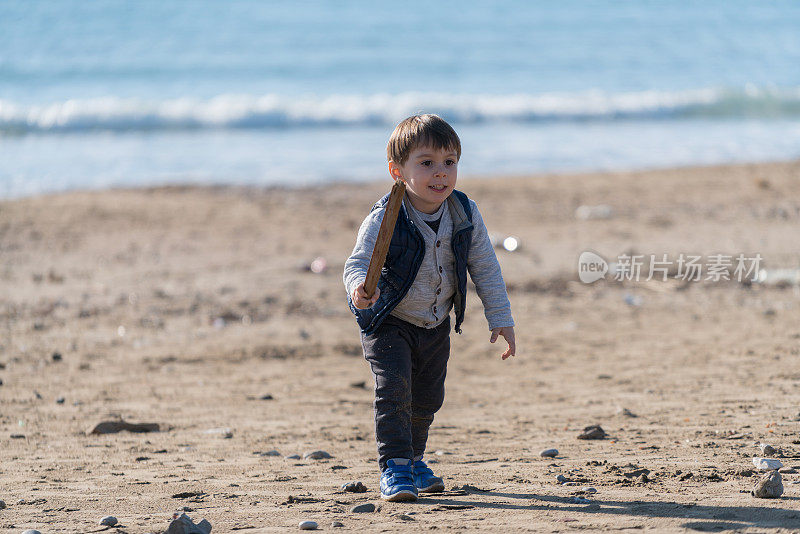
184,306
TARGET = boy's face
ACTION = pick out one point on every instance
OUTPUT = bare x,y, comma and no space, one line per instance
430,176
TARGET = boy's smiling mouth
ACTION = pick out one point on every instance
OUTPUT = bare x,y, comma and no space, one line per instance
437,187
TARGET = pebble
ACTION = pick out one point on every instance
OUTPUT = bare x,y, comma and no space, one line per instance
549,453
317,455
308,525
592,432
354,487
337,524
60,400
625,412
225,433
768,450
561,478
589,490
586,213
109,521
31,531
270,453
579,500
2,504
767,464
292,457
56,356
769,486
363,508
405,517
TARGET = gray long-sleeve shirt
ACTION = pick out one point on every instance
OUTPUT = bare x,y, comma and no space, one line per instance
430,298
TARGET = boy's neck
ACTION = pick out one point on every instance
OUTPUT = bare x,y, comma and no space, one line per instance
427,209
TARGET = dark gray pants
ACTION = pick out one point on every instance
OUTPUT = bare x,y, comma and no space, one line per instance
409,364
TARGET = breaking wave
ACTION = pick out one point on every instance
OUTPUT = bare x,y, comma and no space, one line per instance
280,111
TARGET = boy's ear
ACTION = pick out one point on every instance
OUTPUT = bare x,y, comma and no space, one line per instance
394,171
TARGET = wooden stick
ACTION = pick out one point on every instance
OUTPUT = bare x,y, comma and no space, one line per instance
384,236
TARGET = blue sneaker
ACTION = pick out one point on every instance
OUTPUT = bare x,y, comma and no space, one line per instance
397,481
425,480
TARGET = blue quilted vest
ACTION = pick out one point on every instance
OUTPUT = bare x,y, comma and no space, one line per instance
404,258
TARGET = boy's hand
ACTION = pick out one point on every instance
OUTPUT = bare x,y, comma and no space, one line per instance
508,333
360,298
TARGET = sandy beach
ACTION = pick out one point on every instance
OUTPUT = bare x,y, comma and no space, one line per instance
194,308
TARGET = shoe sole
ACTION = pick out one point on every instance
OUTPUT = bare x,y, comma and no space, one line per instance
400,496
438,487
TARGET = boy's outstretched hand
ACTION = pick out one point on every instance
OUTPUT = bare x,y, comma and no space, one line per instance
508,333
360,298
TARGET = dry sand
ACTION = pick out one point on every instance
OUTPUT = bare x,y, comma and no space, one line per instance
184,306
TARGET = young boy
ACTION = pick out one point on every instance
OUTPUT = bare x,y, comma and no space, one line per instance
405,325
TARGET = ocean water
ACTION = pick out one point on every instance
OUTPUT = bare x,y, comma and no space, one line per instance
113,93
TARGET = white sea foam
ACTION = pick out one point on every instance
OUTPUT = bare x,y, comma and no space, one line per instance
279,111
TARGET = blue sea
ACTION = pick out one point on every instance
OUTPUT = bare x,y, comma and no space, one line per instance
119,93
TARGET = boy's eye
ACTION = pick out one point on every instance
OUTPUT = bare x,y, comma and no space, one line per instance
450,162
427,163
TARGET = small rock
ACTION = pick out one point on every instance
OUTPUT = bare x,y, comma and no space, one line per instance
359,385
317,455
183,524
308,525
109,521
589,490
592,432
643,478
549,453
767,464
787,470
292,457
17,436
561,479
31,531
768,450
405,517
337,524
112,427
579,500
265,397
363,508
224,433
56,356
769,486
2,504
601,211
354,487
270,453
60,400
625,412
